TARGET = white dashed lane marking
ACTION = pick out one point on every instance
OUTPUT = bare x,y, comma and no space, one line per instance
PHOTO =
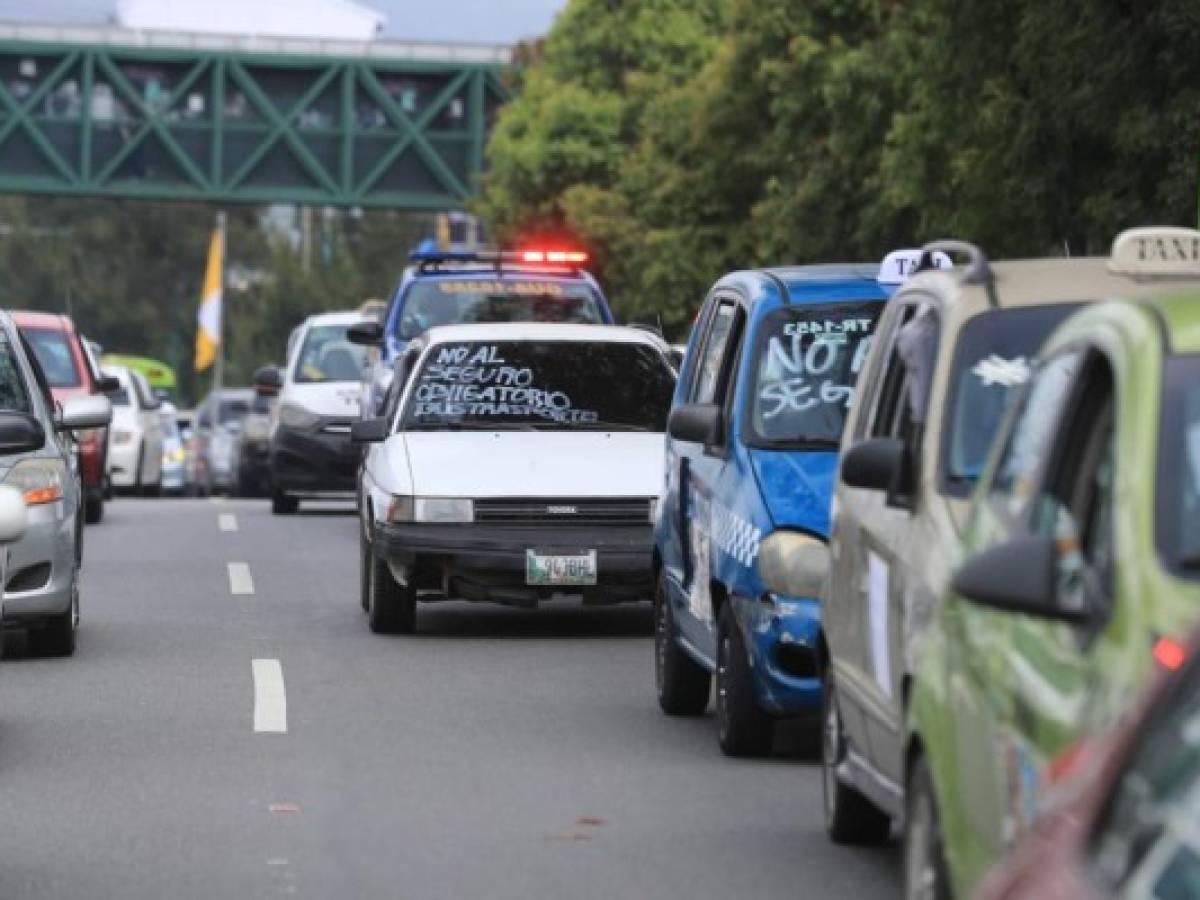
270,701
227,522
240,581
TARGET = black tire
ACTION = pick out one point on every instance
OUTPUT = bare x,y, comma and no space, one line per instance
743,728
391,606
283,504
925,875
93,509
152,490
364,569
56,637
683,685
850,818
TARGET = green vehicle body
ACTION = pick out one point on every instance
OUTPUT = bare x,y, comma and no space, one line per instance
158,374
1000,699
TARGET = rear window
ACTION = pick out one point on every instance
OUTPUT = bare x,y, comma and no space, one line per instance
327,355
528,385
450,302
53,351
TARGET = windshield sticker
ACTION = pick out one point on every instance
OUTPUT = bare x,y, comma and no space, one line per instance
520,288
797,378
996,370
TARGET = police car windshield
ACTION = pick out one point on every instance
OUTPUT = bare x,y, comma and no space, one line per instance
552,385
994,355
1178,528
464,301
807,360
328,356
53,352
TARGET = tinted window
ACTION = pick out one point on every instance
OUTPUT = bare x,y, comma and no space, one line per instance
328,356
450,302
14,397
53,351
807,361
572,385
994,356
1178,530
709,371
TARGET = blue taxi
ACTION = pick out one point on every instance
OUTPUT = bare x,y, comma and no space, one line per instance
461,287
751,457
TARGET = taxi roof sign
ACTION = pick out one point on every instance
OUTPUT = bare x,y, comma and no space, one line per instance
1156,252
898,265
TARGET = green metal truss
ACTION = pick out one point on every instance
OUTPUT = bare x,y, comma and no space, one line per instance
235,126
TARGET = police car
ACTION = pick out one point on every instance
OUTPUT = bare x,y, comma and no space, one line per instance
751,455
464,287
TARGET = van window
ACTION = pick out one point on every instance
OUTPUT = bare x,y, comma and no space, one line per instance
327,355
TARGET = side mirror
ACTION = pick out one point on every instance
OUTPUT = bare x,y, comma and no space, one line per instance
369,334
20,433
1019,575
369,431
268,381
84,412
874,464
698,423
794,564
13,514
108,384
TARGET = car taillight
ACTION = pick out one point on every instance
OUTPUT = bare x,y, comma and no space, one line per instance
1169,653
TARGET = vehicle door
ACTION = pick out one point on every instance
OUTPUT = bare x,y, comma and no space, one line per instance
699,471
879,549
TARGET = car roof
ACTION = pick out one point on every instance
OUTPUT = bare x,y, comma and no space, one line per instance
824,283
341,317
25,318
541,331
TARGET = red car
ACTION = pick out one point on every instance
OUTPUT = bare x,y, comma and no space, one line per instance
1126,825
68,369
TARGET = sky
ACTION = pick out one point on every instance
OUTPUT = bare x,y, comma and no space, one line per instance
492,21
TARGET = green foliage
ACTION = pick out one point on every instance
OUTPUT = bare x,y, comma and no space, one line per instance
679,140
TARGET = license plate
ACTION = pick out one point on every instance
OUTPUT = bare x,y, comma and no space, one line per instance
547,569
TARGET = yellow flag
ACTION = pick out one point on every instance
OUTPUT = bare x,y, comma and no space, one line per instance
208,332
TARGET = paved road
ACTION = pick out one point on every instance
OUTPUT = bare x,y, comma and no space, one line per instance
497,754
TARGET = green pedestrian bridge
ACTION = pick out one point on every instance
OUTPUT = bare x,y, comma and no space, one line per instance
168,116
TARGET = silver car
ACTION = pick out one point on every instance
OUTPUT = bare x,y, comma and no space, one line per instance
38,458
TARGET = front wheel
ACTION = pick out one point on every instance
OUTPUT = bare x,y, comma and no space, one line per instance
391,606
850,818
57,636
925,876
683,686
743,728
283,504
93,509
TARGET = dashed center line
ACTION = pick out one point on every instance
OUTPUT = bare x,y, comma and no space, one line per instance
270,701
227,522
240,581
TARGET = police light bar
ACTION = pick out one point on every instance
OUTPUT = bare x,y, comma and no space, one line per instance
1156,252
898,265
562,258
553,257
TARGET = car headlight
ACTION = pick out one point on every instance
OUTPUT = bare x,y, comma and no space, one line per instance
38,480
433,510
122,436
793,564
294,416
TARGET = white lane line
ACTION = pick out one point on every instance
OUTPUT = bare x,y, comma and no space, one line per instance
227,522
240,581
270,701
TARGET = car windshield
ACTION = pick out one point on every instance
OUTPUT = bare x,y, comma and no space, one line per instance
994,355
53,351
327,355
575,385
13,394
462,302
1178,529
807,360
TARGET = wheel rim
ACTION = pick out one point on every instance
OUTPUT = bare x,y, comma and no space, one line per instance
920,873
831,750
724,648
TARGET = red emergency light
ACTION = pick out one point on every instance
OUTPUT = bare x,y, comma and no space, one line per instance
554,257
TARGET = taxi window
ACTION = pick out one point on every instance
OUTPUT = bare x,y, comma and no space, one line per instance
704,389
1178,526
466,301
327,355
53,351
807,362
993,358
13,394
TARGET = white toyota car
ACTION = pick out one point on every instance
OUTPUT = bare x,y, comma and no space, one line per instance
514,463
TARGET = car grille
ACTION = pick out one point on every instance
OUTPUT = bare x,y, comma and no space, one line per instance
563,511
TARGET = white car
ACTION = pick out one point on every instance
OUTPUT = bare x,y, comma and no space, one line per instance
513,463
135,440
310,450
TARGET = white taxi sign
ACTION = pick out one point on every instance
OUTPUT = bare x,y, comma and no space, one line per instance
1156,252
898,265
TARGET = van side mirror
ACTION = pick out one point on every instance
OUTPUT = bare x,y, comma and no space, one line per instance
368,334
20,433
108,384
268,381
881,464
369,431
1018,576
698,423
79,413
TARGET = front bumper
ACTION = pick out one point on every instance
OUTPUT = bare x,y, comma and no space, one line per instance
314,461
40,576
782,636
487,562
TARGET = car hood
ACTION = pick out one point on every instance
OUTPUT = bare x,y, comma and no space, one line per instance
340,399
535,464
796,486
